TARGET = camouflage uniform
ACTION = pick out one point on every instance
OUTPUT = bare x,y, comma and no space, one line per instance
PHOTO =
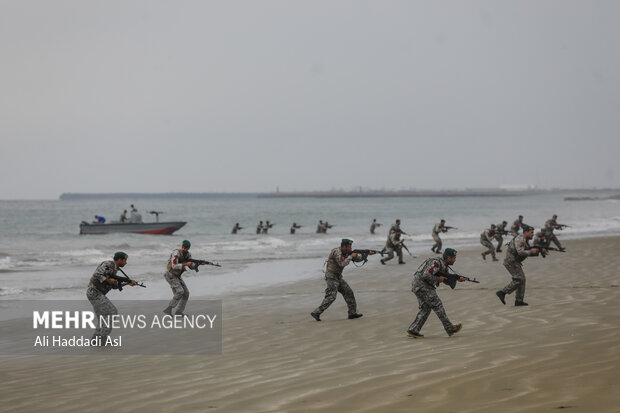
540,239
550,225
485,239
393,244
320,228
436,230
336,284
373,226
96,294
517,252
500,238
423,286
515,227
173,275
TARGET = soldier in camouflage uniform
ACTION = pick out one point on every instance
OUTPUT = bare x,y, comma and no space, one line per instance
177,264
100,284
500,231
550,225
395,227
423,285
236,228
436,230
337,260
374,225
294,227
485,240
320,227
393,243
540,239
518,250
516,225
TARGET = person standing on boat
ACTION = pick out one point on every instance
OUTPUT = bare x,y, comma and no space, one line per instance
259,227
124,216
177,264
136,217
100,284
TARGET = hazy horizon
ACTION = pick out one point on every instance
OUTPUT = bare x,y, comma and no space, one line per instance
242,96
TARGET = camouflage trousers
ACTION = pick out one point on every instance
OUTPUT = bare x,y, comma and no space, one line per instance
335,286
489,245
437,246
179,290
500,241
518,280
390,253
555,240
429,300
103,308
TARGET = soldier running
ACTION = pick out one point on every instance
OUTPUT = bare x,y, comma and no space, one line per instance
394,244
550,225
518,250
100,284
516,226
500,231
337,260
423,285
485,240
436,230
177,264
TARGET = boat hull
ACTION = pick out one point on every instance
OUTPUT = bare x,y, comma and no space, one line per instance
160,228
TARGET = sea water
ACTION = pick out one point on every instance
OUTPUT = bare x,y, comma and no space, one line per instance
42,255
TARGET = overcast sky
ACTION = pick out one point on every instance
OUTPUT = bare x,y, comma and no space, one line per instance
245,96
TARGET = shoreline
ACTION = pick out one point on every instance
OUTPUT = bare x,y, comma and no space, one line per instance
560,352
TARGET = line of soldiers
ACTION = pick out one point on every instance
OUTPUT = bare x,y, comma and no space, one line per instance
497,232
105,278
434,271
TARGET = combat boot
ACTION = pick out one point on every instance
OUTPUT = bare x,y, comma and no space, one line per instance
501,295
456,329
382,262
414,334
520,303
316,316
354,316
168,311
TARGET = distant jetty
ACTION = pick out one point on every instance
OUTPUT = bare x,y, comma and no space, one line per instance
580,194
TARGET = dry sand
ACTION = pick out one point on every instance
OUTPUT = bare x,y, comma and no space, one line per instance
560,353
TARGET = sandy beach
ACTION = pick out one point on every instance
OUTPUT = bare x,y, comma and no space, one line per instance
560,352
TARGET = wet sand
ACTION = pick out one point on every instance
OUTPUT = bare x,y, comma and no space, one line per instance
561,352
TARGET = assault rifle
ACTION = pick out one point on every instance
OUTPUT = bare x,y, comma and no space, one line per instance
541,248
562,226
452,278
402,244
120,281
502,232
447,227
363,253
199,262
